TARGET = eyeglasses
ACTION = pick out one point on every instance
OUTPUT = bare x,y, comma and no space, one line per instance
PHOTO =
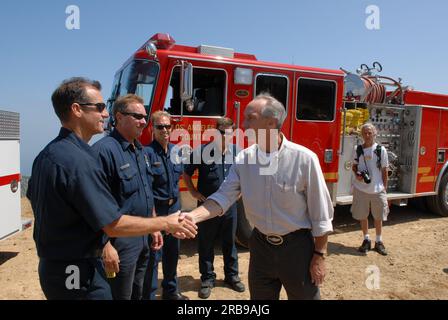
137,116
162,126
100,106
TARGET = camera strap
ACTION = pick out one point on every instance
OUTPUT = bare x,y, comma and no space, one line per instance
367,168
378,156
359,153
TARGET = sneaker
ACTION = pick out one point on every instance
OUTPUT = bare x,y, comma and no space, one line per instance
206,290
380,248
366,246
238,286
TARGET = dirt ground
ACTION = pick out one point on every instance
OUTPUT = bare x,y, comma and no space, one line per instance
416,267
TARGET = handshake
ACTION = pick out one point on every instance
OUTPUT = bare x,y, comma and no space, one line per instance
181,225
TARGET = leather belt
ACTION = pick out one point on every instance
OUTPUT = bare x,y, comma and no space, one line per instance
276,239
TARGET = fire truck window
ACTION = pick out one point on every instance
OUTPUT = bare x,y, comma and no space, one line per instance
276,86
316,100
144,90
209,87
114,93
139,78
112,98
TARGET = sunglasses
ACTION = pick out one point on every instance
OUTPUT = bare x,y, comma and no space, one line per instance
100,106
137,116
162,126
224,132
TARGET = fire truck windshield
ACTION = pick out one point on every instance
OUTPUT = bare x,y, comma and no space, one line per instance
139,77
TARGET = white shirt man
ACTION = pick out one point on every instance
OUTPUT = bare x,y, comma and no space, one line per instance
371,159
285,199
370,196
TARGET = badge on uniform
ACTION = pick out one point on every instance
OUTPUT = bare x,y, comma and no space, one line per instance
157,164
147,161
127,165
176,159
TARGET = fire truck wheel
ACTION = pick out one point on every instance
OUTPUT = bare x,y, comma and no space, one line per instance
243,229
439,203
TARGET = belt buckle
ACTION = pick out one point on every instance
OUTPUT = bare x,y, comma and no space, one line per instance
274,239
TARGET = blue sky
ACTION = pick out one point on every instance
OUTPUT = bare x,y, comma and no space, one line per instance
37,51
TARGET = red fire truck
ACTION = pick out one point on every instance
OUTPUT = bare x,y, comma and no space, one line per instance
325,109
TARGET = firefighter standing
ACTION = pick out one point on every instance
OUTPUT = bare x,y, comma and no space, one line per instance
166,170
129,176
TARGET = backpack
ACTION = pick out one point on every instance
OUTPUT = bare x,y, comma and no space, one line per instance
360,151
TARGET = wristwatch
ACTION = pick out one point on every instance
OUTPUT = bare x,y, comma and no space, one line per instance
321,254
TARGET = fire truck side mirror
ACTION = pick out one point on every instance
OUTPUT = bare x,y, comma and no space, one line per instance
186,81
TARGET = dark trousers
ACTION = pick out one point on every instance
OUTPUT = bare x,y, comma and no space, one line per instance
168,254
128,283
208,232
74,280
288,264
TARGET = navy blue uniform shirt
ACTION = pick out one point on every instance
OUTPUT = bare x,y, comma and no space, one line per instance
210,174
166,172
129,176
70,199
128,173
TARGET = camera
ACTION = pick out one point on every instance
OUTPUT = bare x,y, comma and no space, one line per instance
365,176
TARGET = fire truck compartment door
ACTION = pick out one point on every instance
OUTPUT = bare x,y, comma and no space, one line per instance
427,152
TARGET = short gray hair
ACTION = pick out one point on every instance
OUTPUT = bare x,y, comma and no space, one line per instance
369,125
272,108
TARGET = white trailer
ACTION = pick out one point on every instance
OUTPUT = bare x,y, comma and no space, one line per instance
10,207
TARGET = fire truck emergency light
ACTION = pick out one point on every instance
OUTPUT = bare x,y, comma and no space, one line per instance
162,41
216,51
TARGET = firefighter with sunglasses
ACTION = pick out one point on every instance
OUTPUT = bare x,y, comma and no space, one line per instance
166,167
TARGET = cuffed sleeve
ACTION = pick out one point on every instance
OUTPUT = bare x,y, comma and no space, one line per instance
321,228
384,158
320,206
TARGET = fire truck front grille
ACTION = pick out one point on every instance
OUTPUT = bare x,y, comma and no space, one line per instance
9,125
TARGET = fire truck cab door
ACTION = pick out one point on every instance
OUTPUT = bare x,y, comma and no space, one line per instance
280,86
316,123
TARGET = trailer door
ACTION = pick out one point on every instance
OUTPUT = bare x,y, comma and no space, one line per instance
10,214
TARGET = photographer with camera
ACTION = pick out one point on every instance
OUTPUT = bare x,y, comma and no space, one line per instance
370,164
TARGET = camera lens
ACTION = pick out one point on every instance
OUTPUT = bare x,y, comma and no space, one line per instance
366,177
